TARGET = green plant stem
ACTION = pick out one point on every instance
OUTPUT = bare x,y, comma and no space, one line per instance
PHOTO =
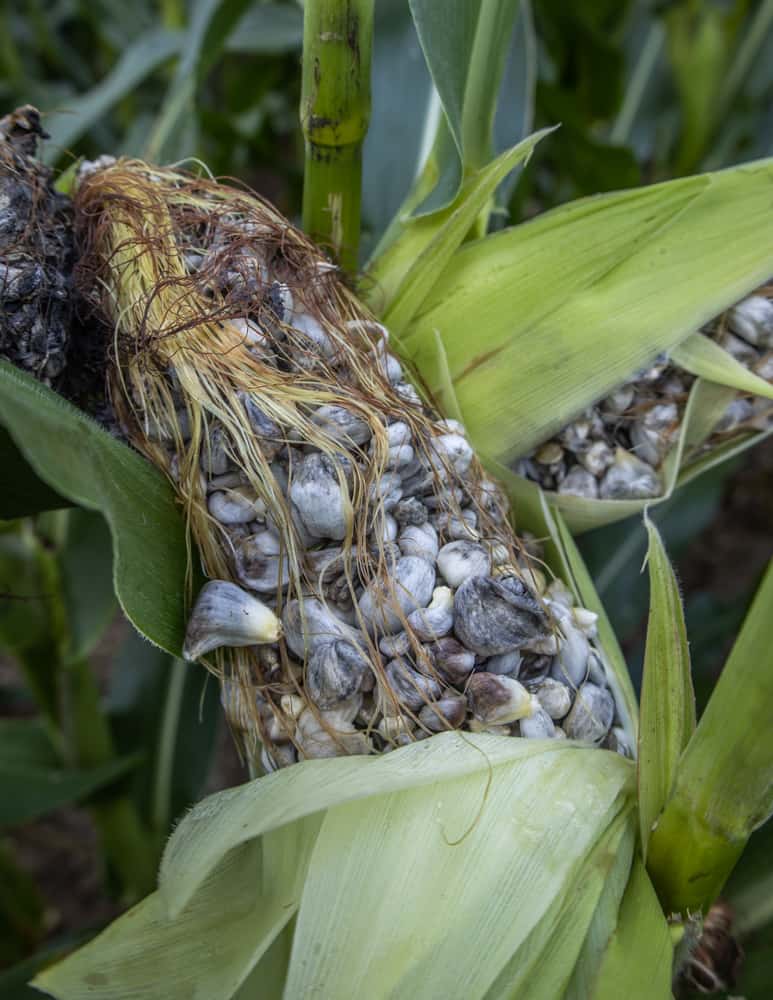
724,787
335,110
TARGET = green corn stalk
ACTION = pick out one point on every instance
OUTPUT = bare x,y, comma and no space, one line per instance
335,110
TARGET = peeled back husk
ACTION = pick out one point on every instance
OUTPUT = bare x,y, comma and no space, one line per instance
528,844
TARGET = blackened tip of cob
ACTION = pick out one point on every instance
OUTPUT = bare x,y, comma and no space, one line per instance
36,253
365,587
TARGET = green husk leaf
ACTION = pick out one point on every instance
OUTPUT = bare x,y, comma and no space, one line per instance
667,700
704,357
73,455
541,320
637,960
589,912
724,786
616,871
236,815
467,844
206,953
407,271
486,818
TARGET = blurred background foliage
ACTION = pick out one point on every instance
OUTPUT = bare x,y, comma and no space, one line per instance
643,90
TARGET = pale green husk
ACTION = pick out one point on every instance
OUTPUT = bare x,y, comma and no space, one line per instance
450,867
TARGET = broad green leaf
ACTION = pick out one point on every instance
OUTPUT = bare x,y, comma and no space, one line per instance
702,356
637,961
74,456
724,786
23,492
236,815
151,50
543,319
33,779
667,711
205,954
428,243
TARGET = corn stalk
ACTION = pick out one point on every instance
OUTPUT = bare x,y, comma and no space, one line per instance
335,109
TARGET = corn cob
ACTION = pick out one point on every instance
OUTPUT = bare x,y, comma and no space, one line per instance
365,588
615,450
36,254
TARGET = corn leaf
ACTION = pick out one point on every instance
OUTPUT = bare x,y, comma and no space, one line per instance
667,709
428,243
541,320
33,779
724,786
702,356
23,492
400,96
203,955
73,455
465,45
151,50
211,22
637,960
